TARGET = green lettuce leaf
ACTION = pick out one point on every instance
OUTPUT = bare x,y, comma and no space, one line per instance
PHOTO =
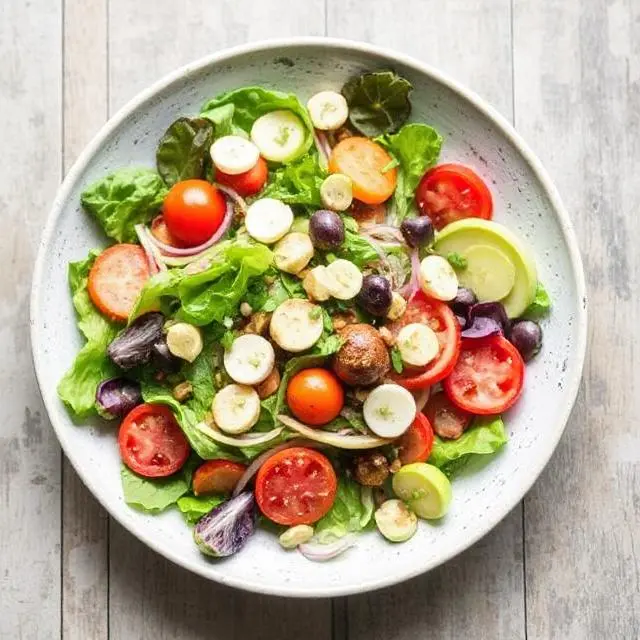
355,247
183,150
77,389
541,304
194,507
416,147
484,437
123,199
297,183
237,110
378,102
352,511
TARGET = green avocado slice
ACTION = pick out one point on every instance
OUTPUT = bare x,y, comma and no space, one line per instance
503,270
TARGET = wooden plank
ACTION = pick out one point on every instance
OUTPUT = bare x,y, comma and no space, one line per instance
30,103
149,597
578,103
481,592
85,526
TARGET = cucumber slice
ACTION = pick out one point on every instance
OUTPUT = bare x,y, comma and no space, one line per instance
396,522
424,488
280,136
489,273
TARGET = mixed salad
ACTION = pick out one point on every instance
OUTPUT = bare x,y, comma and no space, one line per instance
303,320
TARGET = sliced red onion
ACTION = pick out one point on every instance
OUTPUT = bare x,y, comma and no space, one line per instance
145,243
192,251
493,310
421,397
482,327
234,195
322,552
383,232
323,157
410,289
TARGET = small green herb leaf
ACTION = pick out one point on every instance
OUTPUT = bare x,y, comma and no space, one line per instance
457,261
396,360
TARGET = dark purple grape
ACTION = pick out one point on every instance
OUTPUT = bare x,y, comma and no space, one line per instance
464,299
326,229
417,232
134,345
116,397
526,337
375,295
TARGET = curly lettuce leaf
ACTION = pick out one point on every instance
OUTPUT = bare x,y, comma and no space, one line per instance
352,511
194,507
356,247
236,111
484,437
378,102
541,304
77,389
297,183
416,147
124,199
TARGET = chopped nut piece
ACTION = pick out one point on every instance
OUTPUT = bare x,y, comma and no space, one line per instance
341,320
387,336
182,391
397,308
245,309
371,469
395,466
258,323
270,385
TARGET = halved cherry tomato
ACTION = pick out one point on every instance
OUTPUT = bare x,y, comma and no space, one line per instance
416,442
193,210
248,183
315,396
447,420
217,476
296,486
116,278
161,232
151,441
442,320
488,376
364,161
451,192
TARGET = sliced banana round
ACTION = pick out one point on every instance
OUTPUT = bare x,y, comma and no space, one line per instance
296,325
234,155
184,341
395,521
389,410
236,408
250,359
315,284
280,135
438,279
344,279
336,192
293,252
268,219
418,344
328,110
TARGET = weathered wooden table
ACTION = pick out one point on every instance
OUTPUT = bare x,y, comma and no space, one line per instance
563,564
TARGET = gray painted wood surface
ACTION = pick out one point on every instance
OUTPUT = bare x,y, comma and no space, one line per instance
563,564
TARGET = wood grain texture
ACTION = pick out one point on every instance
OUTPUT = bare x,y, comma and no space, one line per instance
85,532
150,597
30,115
578,103
472,42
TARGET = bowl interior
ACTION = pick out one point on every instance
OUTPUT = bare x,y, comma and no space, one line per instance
522,200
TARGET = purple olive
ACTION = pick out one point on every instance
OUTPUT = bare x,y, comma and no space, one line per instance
464,299
375,295
526,337
116,397
417,232
326,230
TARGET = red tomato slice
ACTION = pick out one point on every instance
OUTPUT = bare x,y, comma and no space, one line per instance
488,376
217,476
296,486
416,442
451,192
248,183
443,321
116,278
161,232
447,420
151,441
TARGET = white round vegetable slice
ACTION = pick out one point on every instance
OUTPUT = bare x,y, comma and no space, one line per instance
184,341
234,155
418,344
296,325
315,284
236,408
438,279
293,252
389,410
396,522
344,279
250,359
336,192
279,135
328,110
268,219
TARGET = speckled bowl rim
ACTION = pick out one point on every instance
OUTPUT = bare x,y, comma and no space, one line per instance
536,466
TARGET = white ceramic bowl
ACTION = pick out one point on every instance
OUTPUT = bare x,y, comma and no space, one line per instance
525,200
